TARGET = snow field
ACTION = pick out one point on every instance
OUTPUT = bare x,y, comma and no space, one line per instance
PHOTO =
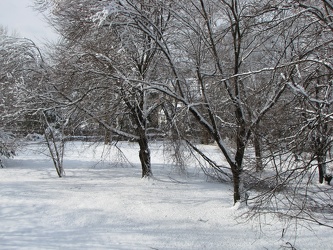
106,205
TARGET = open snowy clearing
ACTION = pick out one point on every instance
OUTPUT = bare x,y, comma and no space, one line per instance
104,204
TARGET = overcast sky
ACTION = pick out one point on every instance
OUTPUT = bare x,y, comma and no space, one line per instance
19,16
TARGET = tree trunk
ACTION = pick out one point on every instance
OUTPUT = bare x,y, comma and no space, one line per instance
237,168
107,137
257,150
144,155
236,174
321,167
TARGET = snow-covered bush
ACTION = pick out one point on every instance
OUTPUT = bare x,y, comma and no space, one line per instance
34,137
7,146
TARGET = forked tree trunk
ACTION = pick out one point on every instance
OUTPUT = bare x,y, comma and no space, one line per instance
141,121
56,150
56,146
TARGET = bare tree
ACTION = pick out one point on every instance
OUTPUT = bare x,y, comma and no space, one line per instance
26,95
207,48
314,83
301,147
102,71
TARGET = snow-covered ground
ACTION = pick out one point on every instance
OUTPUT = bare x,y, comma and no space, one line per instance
102,203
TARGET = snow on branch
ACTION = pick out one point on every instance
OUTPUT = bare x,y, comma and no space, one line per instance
298,89
102,17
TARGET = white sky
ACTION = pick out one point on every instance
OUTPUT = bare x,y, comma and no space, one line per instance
19,16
